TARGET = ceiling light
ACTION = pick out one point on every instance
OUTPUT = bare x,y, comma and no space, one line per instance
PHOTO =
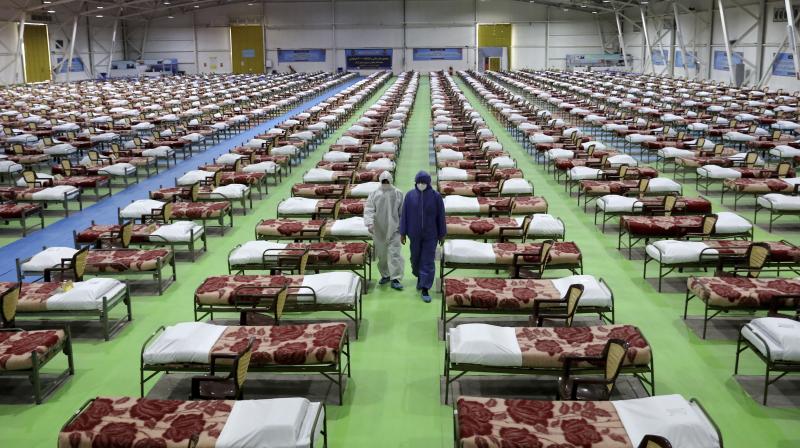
583,6
99,16
99,7
51,11
170,17
46,2
196,6
167,3
594,12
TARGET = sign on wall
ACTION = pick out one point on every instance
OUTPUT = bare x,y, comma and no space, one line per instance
248,53
691,59
438,54
368,58
721,59
595,60
76,66
309,55
783,65
660,57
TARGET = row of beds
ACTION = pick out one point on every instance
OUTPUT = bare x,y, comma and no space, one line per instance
745,143
533,350
100,250
91,149
203,347
484,421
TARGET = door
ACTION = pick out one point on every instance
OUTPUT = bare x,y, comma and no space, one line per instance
494,64
37,53
247,49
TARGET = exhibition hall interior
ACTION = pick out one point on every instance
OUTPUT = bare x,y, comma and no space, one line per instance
399,223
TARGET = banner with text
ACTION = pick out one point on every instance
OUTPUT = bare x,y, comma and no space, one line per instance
721,59
309,55
783,65
368,59
438,54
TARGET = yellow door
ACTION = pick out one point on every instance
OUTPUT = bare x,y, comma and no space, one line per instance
37,53
247,49
494,64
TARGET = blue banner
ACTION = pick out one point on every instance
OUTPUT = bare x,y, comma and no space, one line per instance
248,53
438,54
76,66
783,65
310,55
595,60
721,59
660,57
691,59
368,58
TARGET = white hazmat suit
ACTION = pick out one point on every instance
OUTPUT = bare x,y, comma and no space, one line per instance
382,218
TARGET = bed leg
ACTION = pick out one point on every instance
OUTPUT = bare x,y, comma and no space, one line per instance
766,383
35,380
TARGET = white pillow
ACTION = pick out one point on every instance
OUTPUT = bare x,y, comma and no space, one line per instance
140,207
48,258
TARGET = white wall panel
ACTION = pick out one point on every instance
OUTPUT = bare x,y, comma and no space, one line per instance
299,38
299,13
528,35
369,37
441,11
456,36
376,12
214,39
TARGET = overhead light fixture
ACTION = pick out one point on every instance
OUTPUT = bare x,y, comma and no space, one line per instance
51,11
46,2
170,17
196,6
594,12
167,3
99,7
583,6
99,16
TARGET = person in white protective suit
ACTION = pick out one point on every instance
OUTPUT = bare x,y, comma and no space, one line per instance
382,218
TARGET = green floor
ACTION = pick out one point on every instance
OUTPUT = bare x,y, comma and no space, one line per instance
392,400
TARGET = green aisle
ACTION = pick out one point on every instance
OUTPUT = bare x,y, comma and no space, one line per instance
393,395
684,364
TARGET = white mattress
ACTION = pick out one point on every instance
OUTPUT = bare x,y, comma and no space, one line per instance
297,206
460,204
614,203
194,176
318,175
517,186
177,232
449,154
541,138
729,223
738,137
140,207
285,150
779,202
486,345
468,251
273,423
671,152
718,172
383,163
784,151
622,159
559,153
663,185
7,166
333,287
118,169
336,156
383,147
252,252
594,292
639,138
364,189
48,258
451,173
54,193
350,227
584,173
85,295
267,167
669,416
544,225
674,251
188,342
230,191
503,162
229,158
782,337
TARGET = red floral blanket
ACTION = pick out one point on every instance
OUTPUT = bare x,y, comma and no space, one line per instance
16,347
122,260
142,422
732,292
499,423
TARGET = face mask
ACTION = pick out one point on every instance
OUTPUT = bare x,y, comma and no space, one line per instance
386,186
422,187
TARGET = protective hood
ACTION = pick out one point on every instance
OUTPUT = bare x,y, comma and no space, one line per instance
386,176
423,178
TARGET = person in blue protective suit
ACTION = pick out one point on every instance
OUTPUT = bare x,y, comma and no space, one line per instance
422,222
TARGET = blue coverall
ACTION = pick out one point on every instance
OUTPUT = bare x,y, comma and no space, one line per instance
422,221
